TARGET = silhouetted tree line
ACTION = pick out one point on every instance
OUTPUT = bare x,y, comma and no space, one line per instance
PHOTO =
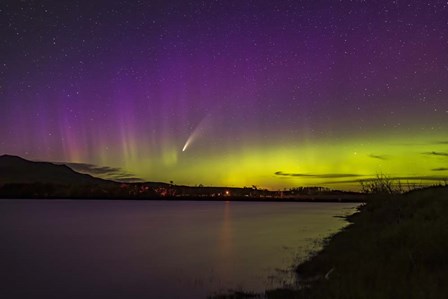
310,190
49,190
114,190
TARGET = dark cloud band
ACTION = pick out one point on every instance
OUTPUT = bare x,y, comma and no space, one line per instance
105,172
318,176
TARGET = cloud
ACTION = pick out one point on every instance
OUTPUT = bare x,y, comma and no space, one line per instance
404,179
318,176
379,157
441,154
440,169
105,172
420,178
129,180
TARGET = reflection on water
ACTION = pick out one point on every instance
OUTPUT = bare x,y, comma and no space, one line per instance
225,246
154,249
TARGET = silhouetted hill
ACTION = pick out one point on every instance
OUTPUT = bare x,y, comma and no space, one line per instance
17,170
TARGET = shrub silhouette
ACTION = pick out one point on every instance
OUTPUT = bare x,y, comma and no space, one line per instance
382,184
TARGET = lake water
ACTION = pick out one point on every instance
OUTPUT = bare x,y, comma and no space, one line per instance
155,249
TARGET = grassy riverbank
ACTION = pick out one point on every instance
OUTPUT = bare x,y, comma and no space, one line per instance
396,247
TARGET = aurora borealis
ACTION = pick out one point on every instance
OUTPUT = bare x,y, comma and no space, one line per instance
237,93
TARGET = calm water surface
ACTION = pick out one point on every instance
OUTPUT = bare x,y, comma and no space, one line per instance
154,249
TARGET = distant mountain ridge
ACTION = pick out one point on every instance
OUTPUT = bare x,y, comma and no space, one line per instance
14,169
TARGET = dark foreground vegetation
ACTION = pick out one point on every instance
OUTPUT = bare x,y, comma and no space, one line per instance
396,247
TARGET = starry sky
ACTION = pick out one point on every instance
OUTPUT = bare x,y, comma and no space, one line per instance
275,94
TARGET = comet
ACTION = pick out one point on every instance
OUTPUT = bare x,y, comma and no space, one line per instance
198,131
187,143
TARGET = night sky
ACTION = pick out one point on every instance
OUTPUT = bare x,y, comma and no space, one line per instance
268,93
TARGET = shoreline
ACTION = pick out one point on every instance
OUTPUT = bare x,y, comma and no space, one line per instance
394,247
306,198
